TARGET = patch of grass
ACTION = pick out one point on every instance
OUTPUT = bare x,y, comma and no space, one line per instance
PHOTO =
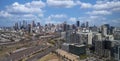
49,57
52,42
84,56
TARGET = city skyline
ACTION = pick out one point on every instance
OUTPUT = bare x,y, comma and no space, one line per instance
59,30
49,11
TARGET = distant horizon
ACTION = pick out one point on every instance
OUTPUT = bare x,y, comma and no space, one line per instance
30,22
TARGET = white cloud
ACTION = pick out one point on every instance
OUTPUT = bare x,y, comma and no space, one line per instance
28,15
56,18
93,19
116,21
106,5
28,11
54,22
99,12
73,19
61,3
40,15
5,14
84,5
116,9
35,4
68,3
17,8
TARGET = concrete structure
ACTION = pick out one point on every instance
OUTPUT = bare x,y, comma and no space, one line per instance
65,46
77,23
115,53
77,49
90,36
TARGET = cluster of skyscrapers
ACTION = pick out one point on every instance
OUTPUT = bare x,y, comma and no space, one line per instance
103,41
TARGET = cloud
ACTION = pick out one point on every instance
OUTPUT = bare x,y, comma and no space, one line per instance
17,8
107,7
56,18
60,18
101,5
116,9
61,3
36,4
102,10
27,11
68,3
104,7
99,12
84,5
5,14
73,19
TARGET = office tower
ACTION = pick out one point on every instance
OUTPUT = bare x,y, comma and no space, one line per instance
83,25
90,36
24,24
111,30
29,28
102,46
33,24
74,37
87,24
64,26
16,26
116,33
116,52
78,23
38,24
105,29
20,25
68,27
77,49
73,26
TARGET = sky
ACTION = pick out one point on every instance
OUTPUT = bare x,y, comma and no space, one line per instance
96,12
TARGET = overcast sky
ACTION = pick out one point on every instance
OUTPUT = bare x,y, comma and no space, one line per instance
96,12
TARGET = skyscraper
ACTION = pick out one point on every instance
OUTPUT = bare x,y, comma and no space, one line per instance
16,26
83,25
87,24
73,26
29,28
33,24
105,29
64,26
78,23
24,24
